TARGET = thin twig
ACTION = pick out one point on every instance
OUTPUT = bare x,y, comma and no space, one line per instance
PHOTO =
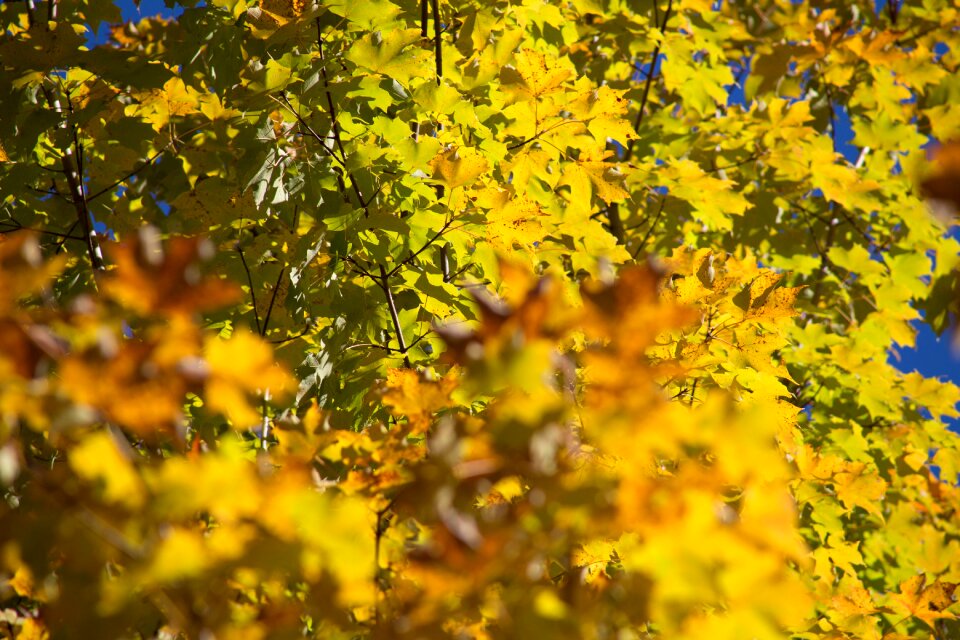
371,345
650,74
14,226
359,268
64,240
427,245
824,261
326,87
384,283
643,243
381,528
273,299
292,338
303,123
253,295
436,38
537,135
146,164
343,162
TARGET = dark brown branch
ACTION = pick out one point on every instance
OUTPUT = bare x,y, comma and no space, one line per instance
326,88
436,38
353,183
64,240
14,226
146,164
893,8
615,222
650,73
653,225
424,17
540,133
273,300
75,183
253,295
445,262
384,283
427,245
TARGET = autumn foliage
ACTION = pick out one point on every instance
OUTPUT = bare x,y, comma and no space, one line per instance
462,319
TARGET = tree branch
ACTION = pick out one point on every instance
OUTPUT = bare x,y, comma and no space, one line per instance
394,316
273,299
427,245
75,183
650,73
438,51
253,295
643,243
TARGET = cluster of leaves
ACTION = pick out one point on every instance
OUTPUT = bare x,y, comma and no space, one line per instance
476,319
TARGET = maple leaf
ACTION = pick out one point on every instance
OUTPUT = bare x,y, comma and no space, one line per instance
927,603
152,278
238,367
160,106
458,167
418,399
538,75
944,178
387,53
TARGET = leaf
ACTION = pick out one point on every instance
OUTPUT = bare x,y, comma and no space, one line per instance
457,167
926,603
152,279
160,106
408,394
98,458
383,52
239,367
944,178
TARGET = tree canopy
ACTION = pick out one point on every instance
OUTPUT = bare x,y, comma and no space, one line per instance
477,319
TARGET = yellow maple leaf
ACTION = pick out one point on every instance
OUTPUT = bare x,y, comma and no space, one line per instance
858,486
458,166
410,394
539,76
159,106
98,458
929,603
239,367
